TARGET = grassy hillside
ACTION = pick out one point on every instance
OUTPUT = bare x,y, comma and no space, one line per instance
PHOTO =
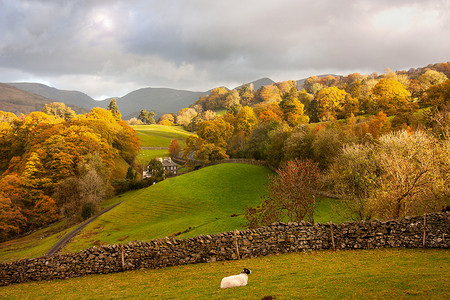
374,274
35,244
201,202
158,136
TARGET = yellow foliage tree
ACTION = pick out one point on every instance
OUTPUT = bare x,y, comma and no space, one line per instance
389,95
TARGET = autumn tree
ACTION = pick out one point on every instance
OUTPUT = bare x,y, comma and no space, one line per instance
389,95
431,77
246,94
288,197
45,211
68,197
167,120
216,132
59,109
185,116
285,87
293,109
274,143
215,100
268,113
269,94
232,99
402,175
378,125
209,152
299,144
329,102
44,150
11,219
245,120
437,95
174,148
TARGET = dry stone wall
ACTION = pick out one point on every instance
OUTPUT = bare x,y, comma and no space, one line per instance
431,231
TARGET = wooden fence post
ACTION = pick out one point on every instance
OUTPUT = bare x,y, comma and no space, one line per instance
424,229
236,244
123,260
332,236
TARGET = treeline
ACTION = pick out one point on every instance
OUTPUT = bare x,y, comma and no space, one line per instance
326,113
56,163
380,141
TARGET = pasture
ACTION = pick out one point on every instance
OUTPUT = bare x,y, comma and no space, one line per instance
376,274
160,135
207,201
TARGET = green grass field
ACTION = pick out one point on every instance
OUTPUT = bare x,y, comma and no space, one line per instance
201,202
360,274
145,155
35,244
160,136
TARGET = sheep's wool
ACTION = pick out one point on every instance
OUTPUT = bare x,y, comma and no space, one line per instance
235,280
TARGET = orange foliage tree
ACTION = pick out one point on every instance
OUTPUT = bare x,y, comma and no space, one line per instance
43,150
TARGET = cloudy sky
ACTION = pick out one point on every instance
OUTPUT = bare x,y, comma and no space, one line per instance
109,48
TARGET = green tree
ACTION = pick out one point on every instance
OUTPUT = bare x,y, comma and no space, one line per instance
114,109
147,117
156,169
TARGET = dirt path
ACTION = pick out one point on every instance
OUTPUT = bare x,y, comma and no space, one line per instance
62,242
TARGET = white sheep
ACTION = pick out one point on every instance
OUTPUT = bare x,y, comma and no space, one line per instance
235,280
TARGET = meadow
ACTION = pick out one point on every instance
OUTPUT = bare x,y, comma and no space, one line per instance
376,274
207,201
160,136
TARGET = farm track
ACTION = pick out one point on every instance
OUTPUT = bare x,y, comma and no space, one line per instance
62,242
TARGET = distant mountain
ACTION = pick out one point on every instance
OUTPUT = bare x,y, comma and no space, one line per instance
259,83
18,101
158,100
70,98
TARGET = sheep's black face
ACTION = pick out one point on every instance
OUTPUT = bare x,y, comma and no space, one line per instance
246,271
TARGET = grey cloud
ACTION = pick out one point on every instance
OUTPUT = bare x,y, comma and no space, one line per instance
201,44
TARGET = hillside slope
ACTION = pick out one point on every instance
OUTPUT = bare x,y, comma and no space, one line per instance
158,100
207,201
74,98
18,101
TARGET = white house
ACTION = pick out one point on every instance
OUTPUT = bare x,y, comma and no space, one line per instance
170,168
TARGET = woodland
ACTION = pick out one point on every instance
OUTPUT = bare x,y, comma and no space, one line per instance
381,142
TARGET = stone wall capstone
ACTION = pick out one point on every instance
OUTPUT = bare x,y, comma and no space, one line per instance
409,232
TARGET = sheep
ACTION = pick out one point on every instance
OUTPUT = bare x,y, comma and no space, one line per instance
235,280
